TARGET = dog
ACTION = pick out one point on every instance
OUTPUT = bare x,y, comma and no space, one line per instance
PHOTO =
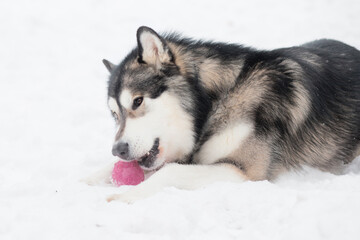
197,112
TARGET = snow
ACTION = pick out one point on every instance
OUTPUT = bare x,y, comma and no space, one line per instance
55,128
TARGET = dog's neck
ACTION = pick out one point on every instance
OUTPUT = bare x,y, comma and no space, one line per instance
216,73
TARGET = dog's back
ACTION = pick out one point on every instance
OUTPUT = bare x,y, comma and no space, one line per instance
331,133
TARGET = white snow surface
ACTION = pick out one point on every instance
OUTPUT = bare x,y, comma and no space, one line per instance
56,129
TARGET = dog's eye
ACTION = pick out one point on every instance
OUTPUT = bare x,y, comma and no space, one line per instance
137,102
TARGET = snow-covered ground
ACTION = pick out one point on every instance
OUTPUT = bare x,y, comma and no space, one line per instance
55,127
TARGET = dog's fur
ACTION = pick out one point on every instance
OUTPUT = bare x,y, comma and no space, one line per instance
224,112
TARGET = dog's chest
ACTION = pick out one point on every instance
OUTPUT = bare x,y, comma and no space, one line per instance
222,144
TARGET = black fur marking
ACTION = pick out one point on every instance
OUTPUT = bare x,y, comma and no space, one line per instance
262,124
116,78
158,91
139,60
140,49
169,70
202,106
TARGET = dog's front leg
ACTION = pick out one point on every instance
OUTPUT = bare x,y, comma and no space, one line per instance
102,176
183,177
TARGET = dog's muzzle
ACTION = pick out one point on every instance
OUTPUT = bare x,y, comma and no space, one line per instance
121,150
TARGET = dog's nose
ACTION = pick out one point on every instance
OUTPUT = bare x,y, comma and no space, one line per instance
121,149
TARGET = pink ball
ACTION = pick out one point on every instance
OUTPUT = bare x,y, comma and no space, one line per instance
127,173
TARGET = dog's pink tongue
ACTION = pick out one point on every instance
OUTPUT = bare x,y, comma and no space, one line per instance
127,173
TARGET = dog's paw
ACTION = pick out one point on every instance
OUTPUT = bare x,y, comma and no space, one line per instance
101,177
93,181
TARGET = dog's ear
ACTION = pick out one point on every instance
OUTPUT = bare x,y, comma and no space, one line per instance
110,66
152,49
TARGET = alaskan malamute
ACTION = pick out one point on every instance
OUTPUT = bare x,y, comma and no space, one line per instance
200,112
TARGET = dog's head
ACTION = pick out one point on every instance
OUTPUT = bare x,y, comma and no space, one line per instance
150,101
